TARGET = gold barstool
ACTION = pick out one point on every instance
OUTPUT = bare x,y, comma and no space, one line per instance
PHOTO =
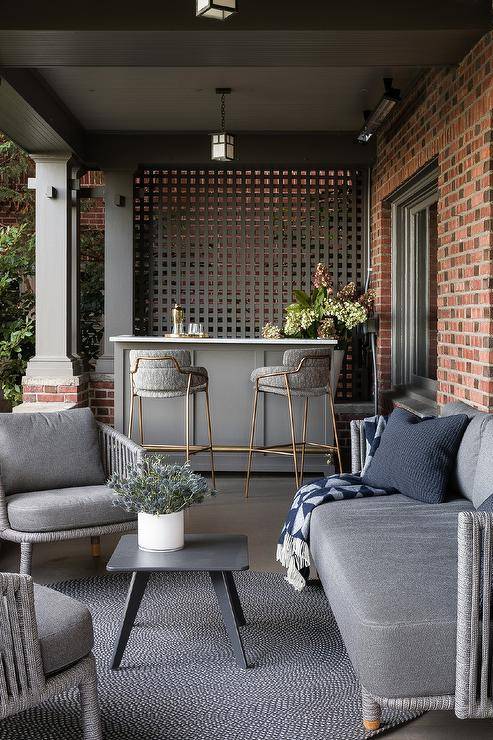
158,374
304,373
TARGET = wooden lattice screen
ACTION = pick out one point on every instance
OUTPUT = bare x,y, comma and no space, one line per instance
230,245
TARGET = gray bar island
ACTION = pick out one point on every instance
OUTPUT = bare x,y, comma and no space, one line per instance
229,363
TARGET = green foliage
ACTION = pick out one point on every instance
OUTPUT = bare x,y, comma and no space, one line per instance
155,486
15,165
16,308
91,293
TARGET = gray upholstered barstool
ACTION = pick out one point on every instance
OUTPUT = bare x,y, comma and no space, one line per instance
304,373
169,374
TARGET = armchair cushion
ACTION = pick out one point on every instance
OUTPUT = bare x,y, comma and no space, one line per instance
64,629
64,508
46,451
416,456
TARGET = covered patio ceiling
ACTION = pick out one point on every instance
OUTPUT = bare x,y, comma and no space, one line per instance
100,81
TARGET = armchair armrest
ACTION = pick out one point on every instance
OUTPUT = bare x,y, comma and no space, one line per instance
117,451
358,445
21,674
474,689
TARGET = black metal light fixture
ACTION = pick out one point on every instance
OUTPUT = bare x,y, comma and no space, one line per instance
223,145
217,9
375,118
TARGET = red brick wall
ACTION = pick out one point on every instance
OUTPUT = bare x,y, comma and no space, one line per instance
449,115
102,398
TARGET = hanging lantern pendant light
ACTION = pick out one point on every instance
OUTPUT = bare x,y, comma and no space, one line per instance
223,145
217,9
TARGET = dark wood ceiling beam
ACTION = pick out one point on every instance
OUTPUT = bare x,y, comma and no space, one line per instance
33,116
237,48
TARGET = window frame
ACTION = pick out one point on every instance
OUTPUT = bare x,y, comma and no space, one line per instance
416,195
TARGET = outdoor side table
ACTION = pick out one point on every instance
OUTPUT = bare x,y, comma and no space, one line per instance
220,555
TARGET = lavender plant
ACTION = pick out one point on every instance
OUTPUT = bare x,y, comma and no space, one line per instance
156,486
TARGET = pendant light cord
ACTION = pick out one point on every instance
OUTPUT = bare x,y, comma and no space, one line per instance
223,113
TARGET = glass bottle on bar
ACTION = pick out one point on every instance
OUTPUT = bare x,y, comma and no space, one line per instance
178,316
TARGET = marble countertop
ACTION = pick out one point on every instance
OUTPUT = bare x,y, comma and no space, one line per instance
126,338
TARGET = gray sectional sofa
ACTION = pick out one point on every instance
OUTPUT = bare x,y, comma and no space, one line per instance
409,584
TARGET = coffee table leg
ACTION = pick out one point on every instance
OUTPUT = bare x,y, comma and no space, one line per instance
227,608
134,597
235,599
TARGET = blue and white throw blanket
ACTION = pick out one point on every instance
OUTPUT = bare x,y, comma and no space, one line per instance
293,549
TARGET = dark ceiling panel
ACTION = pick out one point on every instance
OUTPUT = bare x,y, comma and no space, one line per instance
184,98
254,14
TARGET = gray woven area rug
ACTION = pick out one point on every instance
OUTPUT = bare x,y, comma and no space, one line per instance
179,681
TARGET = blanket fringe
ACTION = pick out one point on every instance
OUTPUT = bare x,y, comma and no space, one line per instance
294,554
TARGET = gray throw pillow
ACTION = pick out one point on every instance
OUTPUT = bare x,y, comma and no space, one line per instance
46,451
416,456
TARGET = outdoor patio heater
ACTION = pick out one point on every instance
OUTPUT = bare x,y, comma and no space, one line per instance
375,118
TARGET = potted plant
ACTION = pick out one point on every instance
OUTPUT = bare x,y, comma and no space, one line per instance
159,492
325,314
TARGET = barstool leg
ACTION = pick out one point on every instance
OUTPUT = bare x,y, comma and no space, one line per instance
334,427
303,446
187,419
209,427
141,422
252,437
131,418
293,438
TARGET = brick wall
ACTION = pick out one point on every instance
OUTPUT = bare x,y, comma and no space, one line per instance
449,115
102,397
92,213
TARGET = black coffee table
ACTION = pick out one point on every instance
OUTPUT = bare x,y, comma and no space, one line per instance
220,555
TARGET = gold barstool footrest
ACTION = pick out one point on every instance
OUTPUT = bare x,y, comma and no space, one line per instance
295,447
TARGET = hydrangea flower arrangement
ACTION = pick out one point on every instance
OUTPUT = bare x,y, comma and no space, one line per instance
324,313
155,486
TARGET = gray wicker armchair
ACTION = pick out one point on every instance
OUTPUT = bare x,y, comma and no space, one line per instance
45,650
473,697
33,509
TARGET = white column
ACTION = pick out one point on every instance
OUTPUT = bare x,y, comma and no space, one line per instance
118,261
55,270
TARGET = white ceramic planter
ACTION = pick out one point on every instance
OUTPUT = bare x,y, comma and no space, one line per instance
161,531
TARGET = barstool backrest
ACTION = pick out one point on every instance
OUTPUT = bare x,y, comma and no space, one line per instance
315,370
159,374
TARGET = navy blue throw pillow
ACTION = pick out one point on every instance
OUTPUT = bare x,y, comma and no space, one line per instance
416,456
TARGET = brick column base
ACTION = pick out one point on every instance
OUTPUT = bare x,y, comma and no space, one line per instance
53,394
102,397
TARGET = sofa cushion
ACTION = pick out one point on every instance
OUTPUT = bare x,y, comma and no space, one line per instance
64,628
64,508
389,568
53,450
463,475
415,456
